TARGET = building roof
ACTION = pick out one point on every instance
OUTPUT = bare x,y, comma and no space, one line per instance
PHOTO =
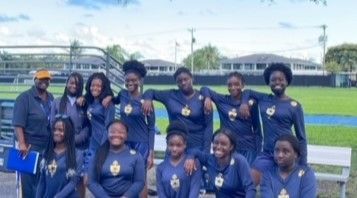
266,58
158,62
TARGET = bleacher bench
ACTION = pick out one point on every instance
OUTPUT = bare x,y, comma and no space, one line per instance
331,156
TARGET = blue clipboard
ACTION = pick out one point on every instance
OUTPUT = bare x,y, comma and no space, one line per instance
17,163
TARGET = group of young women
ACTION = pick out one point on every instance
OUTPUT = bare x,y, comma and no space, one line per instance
89,147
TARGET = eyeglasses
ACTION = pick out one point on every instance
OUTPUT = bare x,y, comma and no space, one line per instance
63,116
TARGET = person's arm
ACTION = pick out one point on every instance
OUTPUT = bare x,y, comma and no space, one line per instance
109,117
150,95
83,135
93,183
208,131
200,155
75,179
19,122
308,184
244,172
299,127
266,188
256,127
151,128
210,96
138,178
41,186
159,183
54,111
195,182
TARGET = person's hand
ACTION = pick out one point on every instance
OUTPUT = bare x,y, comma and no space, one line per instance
81,101
106,101
208,107
244,112
150,162
190,166
147,107
85,179
24,149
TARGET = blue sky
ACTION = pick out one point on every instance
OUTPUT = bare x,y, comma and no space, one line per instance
237,27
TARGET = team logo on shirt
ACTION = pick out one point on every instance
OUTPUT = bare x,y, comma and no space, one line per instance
142,101
232,114
251,102
218,182
128,109
293,103
200,97
132,151
89,113
52,168
70,173
186,111
115,168
301,173
175,182
232,162
283,194
270,111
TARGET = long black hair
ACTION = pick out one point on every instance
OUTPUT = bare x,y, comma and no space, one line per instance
79,85
102,152
106,89
49,154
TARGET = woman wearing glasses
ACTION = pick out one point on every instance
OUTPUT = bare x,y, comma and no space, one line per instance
61,165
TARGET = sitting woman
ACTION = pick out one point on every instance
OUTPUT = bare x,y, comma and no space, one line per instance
61,166
171,178
116,171
228,173
288,178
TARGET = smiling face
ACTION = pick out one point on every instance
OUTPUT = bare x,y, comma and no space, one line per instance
235,86
132,82
278,83
96,87
72,86
42,84
176,146
222,146
117,134
58,132
284,154
184,82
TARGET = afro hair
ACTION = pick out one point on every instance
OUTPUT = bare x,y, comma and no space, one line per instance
278,67
176,127
134,66
182,70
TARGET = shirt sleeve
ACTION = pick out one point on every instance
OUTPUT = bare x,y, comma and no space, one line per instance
54,111
248,94
200,155
208,131
244,172
116,100
196,182
83,135
299,127
159,184
20,111
215,97
41,186
151,128
266,190
256,127
308,184
161,96
109,117
93,185
138,178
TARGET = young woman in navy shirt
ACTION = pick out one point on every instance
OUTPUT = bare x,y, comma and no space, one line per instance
279,113
247,130
288,178
61,166
186,105
117,170
171,178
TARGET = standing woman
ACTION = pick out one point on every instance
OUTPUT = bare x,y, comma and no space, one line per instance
62,165
32,125
248,133
66,105
228,172
288,178
171,177
97,88
186,105
278,113
117,170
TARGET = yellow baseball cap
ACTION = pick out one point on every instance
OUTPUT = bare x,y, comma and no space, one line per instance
42,74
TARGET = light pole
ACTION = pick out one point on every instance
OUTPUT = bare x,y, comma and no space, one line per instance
193,40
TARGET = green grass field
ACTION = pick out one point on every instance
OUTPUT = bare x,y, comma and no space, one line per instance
315,100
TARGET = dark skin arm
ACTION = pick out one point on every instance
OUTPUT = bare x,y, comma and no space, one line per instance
23,146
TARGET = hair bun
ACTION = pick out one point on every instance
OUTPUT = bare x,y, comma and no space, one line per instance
135,66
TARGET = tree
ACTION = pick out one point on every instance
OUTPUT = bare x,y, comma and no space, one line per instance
205,58
121,55
344,55
75,49
333,67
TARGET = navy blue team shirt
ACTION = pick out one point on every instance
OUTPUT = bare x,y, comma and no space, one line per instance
190,112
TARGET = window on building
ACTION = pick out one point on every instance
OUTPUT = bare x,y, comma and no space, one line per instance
226,66
237,66
248,66
261,66
162,68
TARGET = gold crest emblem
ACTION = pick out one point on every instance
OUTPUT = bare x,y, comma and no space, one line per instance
89,113
283,194
175,182
232,162
270,111
218,182
200,97
251,102
132,152
301,173
115,168
52,168
186,111
232,114
142,101
293,103
128,109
